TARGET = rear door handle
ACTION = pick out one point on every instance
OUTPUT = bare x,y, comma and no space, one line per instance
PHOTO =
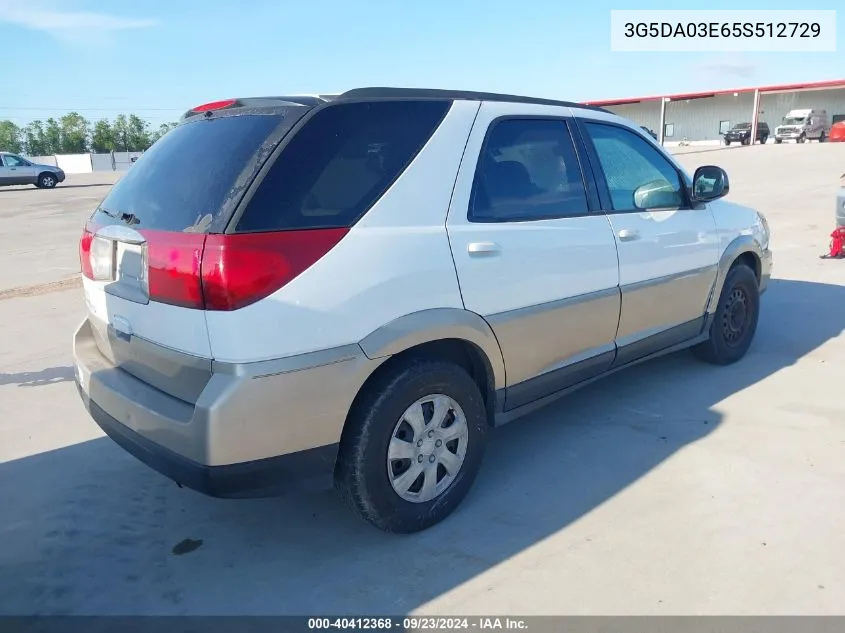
483,248
628,235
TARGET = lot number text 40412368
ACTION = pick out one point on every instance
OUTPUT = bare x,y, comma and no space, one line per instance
418,623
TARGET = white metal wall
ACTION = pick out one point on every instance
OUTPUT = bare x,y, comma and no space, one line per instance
699,119
695,119
775,106
645,113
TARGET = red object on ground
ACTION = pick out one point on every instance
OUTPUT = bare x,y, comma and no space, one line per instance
837,244
837,132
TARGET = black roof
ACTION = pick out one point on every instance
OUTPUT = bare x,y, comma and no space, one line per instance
370,94
453,95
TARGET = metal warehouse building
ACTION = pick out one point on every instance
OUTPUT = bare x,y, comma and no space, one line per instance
700,117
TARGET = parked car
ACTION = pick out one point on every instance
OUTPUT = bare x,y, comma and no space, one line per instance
17,170
837,132
649,131
367,284
802,125
741,133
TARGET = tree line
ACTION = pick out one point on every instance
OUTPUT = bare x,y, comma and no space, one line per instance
74,134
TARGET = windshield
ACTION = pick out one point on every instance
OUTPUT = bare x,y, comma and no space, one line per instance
742,126
189,177
793,120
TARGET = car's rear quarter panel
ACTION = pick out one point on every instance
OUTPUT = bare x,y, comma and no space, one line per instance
395,261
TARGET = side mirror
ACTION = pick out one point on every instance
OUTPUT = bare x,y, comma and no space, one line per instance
657,194
709,183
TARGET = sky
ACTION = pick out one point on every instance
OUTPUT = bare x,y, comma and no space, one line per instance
158,58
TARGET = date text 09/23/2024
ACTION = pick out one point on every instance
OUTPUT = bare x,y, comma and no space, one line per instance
418,624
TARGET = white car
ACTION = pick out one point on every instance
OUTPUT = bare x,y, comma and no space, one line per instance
294,291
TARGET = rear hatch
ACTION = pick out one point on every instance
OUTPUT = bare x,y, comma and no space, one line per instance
141,252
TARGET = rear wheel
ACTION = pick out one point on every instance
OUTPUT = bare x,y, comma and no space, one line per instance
778,141
802,138
413,446
47,181
735,321
822,138
763,140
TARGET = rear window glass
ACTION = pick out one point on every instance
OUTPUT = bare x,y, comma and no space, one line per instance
186,179
339,164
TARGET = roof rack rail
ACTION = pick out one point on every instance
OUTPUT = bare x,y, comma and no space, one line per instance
465,95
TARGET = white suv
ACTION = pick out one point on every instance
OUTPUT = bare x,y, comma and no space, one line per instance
292,291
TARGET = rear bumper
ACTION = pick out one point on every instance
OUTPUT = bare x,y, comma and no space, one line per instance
254,429
308,469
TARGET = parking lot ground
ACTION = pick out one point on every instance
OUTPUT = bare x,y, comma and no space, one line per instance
38,228
672,488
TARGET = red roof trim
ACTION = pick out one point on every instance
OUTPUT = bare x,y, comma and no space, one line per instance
817,85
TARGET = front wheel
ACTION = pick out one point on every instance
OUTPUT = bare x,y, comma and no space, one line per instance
802,138
727,142
822,138
778,141
46,181
735,321
413,446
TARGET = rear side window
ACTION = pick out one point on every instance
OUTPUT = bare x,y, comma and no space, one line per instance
188,177
528,170
340,163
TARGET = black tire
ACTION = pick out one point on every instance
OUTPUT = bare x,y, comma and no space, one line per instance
746,141
822,138
47,181
735,321
802,138
763,140
361,474
727,142
778,141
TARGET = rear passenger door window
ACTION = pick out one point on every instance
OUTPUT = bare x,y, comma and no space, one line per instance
528,170
638,176
337,166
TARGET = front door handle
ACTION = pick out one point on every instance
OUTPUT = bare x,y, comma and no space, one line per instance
483,248
628,235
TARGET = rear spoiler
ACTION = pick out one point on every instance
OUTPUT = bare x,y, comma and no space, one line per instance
259,102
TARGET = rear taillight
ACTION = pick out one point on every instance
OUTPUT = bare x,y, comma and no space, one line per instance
95,255
85,252
240,269
219,272
216,271
173,267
